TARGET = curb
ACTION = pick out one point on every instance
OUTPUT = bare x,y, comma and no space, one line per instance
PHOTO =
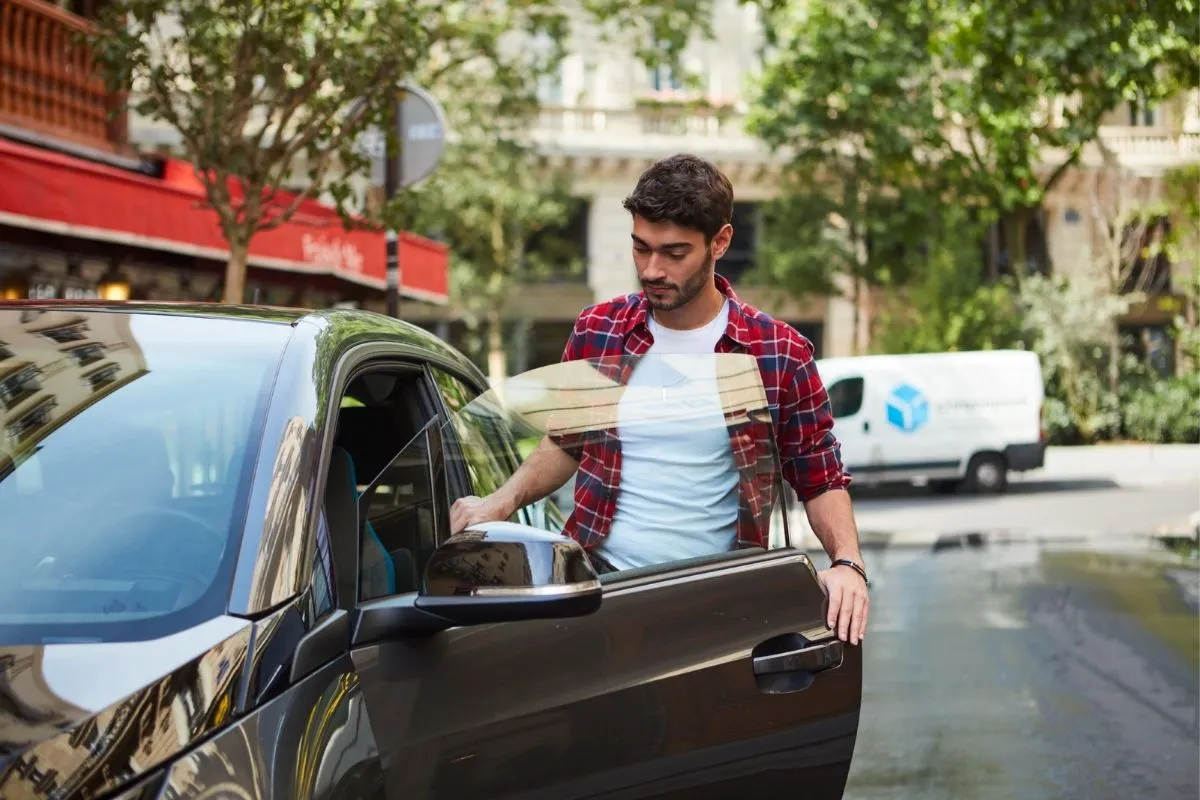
975,539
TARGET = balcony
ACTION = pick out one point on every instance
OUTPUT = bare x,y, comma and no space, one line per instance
1149,148
48,86
647,132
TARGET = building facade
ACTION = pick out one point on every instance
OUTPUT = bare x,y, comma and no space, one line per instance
91,208
609,116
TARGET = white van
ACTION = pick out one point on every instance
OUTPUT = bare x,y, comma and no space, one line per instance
952,419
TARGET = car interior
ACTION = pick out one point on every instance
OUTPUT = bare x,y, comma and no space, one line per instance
378,492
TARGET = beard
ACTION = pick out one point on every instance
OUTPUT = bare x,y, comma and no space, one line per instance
680,295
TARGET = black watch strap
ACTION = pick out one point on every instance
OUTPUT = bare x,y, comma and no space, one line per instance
845,562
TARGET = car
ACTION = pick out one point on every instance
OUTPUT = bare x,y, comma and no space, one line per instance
229,573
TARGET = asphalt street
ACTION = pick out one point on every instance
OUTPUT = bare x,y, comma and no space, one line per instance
1055,660
1033,508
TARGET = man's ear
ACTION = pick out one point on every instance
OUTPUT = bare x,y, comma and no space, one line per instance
721,240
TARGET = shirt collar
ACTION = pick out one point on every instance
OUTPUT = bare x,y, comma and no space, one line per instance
737,328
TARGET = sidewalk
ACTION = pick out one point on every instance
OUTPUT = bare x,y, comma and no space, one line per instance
1126,464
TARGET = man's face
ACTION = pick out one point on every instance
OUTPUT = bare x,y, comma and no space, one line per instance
673,263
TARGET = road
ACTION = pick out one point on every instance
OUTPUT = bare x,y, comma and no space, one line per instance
1056,659
1044,509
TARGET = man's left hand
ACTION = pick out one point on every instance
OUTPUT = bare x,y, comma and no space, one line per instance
848,602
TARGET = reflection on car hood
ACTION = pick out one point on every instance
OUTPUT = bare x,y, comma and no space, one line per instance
77,720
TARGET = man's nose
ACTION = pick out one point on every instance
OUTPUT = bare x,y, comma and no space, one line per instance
654,268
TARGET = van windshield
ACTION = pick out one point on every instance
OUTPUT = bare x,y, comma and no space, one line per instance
125,442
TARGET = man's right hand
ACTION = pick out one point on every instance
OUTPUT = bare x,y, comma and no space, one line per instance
471,510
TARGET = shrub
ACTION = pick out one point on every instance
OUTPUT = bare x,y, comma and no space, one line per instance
1164,411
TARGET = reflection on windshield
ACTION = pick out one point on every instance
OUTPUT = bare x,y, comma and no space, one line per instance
121,460
675,453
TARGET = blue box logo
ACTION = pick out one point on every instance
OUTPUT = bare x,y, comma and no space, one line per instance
907,408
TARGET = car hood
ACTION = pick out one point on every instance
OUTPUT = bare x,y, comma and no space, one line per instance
78,720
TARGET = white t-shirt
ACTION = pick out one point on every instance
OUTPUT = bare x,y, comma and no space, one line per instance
678,496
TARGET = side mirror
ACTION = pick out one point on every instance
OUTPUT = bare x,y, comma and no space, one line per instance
504,572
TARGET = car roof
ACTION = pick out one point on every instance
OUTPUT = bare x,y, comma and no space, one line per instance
346,325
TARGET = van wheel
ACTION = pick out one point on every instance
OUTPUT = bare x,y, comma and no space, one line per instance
988,473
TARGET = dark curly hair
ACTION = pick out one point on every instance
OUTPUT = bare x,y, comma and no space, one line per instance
685,190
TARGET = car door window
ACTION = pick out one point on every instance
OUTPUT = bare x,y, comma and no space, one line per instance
487,448
399,531
380,493
486,454
846,397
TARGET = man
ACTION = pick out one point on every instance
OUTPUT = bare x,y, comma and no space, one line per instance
681,210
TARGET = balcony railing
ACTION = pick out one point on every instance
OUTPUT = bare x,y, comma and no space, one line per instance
591,131
645,129
48,84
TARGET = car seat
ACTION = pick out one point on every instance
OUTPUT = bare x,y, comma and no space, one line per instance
381,572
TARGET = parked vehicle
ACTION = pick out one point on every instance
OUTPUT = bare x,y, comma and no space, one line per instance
953,419
227,573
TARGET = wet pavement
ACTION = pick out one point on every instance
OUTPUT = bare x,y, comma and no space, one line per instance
1027,670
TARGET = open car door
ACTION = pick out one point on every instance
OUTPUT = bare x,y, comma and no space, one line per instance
712,675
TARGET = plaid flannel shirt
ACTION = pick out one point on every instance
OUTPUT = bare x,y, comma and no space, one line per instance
802,422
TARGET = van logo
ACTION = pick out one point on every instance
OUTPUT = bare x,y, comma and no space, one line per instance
907,408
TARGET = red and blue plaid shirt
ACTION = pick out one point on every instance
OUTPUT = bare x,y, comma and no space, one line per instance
802,422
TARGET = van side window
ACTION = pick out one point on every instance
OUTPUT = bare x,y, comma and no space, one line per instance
846,397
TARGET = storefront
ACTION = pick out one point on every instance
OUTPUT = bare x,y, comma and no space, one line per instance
73,229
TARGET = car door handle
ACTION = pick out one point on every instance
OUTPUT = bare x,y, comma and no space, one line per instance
867,425
813,658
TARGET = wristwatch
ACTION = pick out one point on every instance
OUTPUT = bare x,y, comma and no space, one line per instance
845,562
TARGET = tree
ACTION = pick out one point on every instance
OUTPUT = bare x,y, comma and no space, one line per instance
1182,194
265,95
1068,322
490,198
838,98
979,105
1022,88
1130,219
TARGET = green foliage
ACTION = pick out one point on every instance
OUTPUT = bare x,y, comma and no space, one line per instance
1165,410
947,104
1069,325
947,306
258,91
271,94
856,195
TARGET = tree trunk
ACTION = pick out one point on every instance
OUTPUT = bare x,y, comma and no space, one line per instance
497,358
235,273
856,301
1015,230
1114,358
993,253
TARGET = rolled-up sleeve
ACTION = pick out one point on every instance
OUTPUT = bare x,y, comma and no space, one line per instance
809,452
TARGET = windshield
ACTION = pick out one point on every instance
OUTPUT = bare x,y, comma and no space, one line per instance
124,457
671,457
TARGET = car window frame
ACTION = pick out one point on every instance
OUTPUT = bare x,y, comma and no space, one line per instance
355,362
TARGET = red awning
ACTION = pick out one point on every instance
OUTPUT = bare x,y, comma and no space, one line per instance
48,191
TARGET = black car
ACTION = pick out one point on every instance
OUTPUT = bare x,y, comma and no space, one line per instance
228,573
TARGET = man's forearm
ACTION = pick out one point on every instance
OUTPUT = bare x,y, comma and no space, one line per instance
831,516
543,473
